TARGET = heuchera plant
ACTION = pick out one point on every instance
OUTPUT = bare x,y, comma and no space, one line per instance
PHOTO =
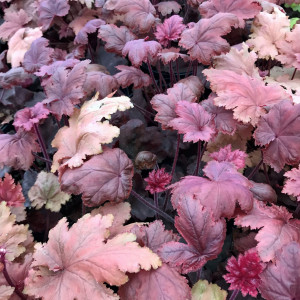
149,149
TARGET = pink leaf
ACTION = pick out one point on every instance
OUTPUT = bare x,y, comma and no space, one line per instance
65,88
14,77
222,118
224,177
140,51
167,7
49,9
38,55
292,185
170,30
104,177
243,9
132,75
115,37
281,280
194,122
263,192
236,157
15,150
277,228
138,14
204,40
171,54
90,27
279,132
248,97
84,257
204,237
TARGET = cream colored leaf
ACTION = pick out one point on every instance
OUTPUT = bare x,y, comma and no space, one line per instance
202,290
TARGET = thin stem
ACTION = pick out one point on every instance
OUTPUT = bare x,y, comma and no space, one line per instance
171,73
188,69
8,279
161,76
195,68
177,70
41,158
199,274
156,203
266,174
152,76
234,294
91,53
198,159
43,146
293,76
255,169
145,202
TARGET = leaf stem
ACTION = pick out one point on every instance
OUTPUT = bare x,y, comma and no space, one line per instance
293,76
255,169
156,203
198,159
234,294
152,76
145,202
43,146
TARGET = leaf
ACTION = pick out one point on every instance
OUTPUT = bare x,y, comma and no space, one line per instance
203,40
242,9
278,131
132,75
86,133
14,20
204,237
167,7
88,3
171,54
10,192
15,150
6,292
292,185
263,192
65,88
220,192
104,177
11,236
194,122
277,228
165,104
19,43
49,9
46,191
236,157
247,96
281,280
140,51
202,290
38,55
90,27
221,117
267,31
138,14
15,77
82,256
170,30
115,37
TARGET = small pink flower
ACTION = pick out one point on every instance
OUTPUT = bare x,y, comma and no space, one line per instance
157,181
244,273
29,116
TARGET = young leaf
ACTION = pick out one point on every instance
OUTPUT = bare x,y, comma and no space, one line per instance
204,237
243,9
292,185
277,228
202,290
203,39
104,177
279,132
81,257
193,121
167,7
280,280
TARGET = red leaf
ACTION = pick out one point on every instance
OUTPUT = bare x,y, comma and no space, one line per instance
243,9
194,122
38,55
90,27
170,30
104,177
292,185
204,237
281,280
140,51
115,37
49,9
225,187
65,88
204,40
157,181
279,132
278,228
10,192
15,150
132,75
244,273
